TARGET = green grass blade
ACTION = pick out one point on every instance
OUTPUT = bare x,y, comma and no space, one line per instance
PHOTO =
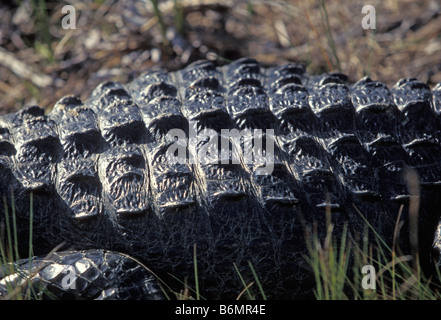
196,280
9,251
246,287
257,280
14,226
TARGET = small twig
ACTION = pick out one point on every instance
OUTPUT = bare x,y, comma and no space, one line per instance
282,34
22,70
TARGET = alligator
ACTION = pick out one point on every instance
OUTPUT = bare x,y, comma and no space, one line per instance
219,167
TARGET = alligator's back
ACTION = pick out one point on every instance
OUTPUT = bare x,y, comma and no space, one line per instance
228,164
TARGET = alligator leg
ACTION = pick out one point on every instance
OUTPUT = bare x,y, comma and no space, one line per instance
89,274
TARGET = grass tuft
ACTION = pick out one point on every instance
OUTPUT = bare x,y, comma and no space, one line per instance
9,254
337,266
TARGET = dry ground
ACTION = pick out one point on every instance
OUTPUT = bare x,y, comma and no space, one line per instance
40,61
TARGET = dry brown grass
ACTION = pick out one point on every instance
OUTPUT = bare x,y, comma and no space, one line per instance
115,40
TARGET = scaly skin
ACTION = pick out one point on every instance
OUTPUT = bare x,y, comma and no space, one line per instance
100,177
